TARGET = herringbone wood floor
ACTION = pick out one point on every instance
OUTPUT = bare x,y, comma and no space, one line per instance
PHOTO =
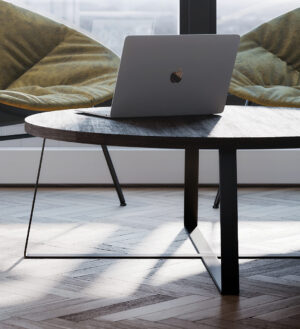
160,294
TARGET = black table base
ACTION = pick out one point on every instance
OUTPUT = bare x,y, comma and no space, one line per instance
223,269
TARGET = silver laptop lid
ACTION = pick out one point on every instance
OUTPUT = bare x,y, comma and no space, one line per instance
174,75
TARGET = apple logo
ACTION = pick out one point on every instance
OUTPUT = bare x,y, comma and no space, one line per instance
176,76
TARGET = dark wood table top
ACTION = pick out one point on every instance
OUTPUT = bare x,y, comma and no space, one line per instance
238,127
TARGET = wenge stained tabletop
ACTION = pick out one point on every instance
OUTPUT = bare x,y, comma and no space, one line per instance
237,127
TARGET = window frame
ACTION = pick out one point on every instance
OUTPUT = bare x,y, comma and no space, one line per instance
198,16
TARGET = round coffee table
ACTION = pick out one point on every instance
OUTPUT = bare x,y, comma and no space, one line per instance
238,127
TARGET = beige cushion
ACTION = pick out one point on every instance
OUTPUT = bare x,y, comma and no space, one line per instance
48,66
267,68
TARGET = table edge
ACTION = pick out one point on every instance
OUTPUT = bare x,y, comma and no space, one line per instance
162,142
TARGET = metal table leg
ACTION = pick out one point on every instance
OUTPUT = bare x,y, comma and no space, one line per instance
223,271
113,175
229,222
93,256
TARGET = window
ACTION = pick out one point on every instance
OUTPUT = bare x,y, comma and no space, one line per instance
110,21
235,16
197,16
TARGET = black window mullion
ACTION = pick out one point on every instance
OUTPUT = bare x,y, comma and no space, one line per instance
198,16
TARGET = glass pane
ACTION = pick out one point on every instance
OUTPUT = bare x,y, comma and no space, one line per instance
109,21
236,16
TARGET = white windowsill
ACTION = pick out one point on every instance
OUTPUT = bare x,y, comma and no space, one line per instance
86,165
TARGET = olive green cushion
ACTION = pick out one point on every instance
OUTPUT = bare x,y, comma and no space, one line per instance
48,66
267,68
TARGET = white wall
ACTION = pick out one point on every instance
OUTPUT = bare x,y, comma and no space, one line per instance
86,165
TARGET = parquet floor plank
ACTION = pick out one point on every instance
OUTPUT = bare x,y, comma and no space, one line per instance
262,324
141,311
90,314
138,294
179,323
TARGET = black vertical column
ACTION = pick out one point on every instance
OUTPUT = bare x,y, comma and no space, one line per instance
229,222
198,16
191,176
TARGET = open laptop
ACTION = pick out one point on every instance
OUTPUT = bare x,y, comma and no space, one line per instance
172,76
